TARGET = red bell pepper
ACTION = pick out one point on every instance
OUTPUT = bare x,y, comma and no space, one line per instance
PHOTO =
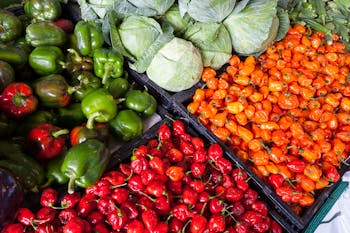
46,140
17,100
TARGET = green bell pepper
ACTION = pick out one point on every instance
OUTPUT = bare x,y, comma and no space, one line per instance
107,63
98,106
52,91
7,75
46,59
53,171
88,37
10,26
85,83
15,56
127,125
45,33
43,10
28,171
70,116
141,102
118,87
85,163
34,119
7,125
80,133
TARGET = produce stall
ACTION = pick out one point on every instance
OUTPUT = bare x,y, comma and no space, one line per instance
174,116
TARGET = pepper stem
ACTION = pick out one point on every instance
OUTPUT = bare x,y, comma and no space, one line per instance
91,119
77,57
60,132
108,69
19,100
71,185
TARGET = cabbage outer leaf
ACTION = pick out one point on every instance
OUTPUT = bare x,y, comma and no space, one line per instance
178,22
159,6
177,66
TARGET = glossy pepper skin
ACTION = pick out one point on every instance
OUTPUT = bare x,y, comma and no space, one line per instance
46,59
54,175
85,163
98,106
34,119
45,33
141,102
85,83
117,87
70,116
14,55
17,100
52,90
30,174
43,10
46,141
88,36
107,63
81,133
10,26
7,74
127,125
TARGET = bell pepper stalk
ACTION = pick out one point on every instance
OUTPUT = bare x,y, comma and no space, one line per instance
10,26
17,100
46,141
107,63
43,10
88,36
85,163
81,133
127,125
52,90
98,106
141,102
53,171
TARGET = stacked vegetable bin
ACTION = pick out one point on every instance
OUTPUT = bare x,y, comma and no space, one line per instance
141,156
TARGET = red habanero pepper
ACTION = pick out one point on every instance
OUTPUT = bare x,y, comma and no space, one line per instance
46,140
331,173
17,100
276,180
77,225
296,166
48,197
164,132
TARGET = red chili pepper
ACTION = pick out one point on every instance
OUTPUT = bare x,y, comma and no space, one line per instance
147,176
162,227
164,132
251,217
141,151
102,188
285,193
130,208
48,197
13,228
45,215
217,223
156,189
117,219
233,194
115,178
120,195
101,228
224,165
17,100
216,205
174,155
260,207
237,209
135,183
135,226
77,225
296,166
197,143
214,152
197,185
46,140
189,196
175,173
45,228
275,227
25,216
200,155
157,165
70,200
198,224
178,128
150,219
186,147
138,165
242,185
162,205
198,169
241,227
67,214
86,205
239,174
249,197
106,205
276,180
331,173
181,212
96,217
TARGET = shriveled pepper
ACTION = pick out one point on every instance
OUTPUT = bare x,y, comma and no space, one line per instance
10,26
29,172
46,141
118,87
54,175
7,75
70,116
107,63
46,60
85,83
141,102
45,33
43,10
98,106
85,163
88,36
17,100
127,125
52,90
81,133
76,64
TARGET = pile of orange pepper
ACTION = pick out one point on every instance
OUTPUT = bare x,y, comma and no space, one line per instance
285,113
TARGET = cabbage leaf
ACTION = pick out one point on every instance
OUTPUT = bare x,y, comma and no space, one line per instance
178,22
253,28
177,66
207,10
142,7
214,42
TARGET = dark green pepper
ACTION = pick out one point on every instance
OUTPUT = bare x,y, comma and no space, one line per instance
46,59
34,119
88,36
127,125
45,33
80,133
15,56
43,10
85,163
29,172
10,26
7,125
98,106
7,75
70,116
52,91
141,102
76,64
85,83
107,63
118,87
53,171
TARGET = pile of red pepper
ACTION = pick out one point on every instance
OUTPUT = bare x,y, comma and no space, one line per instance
173,183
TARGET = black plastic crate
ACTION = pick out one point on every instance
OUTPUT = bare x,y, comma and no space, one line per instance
124,153
179,104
